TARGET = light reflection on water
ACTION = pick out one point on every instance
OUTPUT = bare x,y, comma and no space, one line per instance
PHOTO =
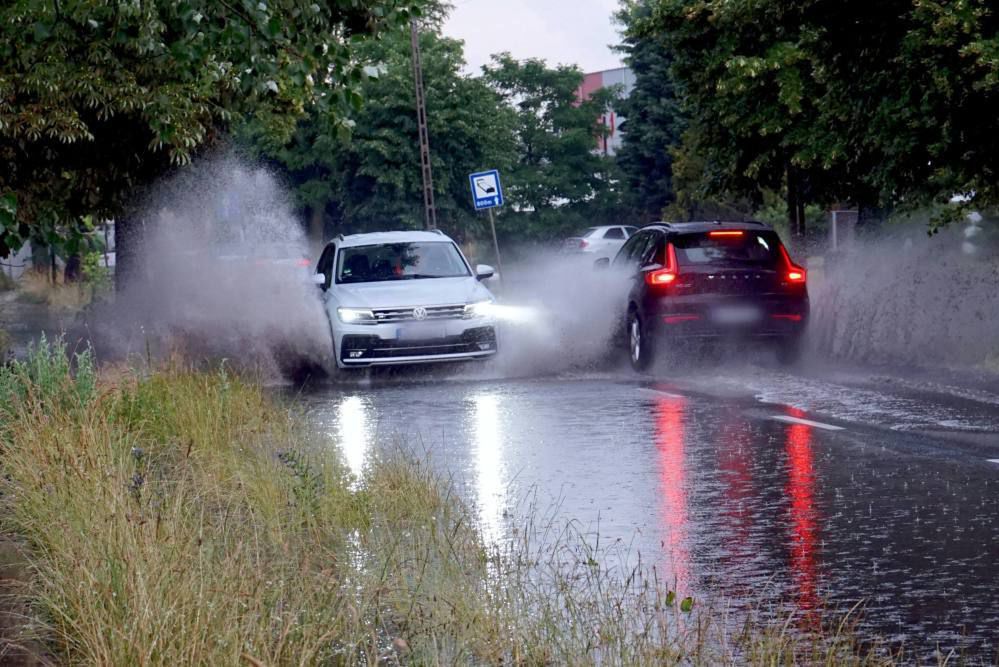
354,430
488,454
670,446
800,489
734,505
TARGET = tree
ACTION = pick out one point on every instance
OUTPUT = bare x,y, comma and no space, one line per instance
558,179
372,177
653,122
99,98
882,103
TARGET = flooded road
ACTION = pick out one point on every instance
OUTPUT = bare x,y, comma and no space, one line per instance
741,484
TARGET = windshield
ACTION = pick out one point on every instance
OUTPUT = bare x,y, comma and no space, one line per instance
400,261
728,248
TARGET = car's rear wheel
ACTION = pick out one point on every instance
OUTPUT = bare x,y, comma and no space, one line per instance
640,343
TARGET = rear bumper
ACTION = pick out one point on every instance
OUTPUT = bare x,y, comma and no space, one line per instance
359,350
777,318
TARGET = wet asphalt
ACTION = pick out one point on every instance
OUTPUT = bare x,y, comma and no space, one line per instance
738,479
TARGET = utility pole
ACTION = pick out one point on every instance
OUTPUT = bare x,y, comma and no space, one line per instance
430,212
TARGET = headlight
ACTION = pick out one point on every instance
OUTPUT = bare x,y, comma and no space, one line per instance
355,316
480,309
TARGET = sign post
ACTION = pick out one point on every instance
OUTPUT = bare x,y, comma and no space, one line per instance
487,193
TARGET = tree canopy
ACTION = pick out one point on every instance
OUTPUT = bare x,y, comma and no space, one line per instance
653,122
98,98
557,171
881,103
372,179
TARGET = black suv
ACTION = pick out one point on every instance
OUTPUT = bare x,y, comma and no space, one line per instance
711,280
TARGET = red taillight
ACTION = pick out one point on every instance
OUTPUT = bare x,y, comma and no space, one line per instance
667,274
677,319
660,277
304,262
583,243
727,232
795,274
789,318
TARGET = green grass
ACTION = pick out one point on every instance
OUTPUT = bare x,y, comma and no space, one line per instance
186,518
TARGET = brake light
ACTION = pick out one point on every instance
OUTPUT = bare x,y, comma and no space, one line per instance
583,243
303,262
678,319
728,232
667,274
795,274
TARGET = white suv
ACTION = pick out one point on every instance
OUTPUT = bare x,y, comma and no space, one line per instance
404,298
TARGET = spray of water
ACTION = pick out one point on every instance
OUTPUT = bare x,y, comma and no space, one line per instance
905,298
223,273
560,313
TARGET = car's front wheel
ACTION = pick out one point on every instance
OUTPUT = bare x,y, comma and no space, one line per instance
640,343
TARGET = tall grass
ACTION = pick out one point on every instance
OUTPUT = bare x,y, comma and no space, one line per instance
186,518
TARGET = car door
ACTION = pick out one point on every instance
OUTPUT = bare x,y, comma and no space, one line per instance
628,264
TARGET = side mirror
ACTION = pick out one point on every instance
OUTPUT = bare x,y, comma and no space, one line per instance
484,272
319,279
601,264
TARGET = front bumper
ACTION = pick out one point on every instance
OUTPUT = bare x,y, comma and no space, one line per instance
381,345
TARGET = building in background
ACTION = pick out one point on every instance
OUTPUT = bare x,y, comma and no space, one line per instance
622,77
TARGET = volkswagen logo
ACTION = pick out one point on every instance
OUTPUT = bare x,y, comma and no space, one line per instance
420,313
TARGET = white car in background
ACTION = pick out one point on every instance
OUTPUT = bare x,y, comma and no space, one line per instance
599,241
395,298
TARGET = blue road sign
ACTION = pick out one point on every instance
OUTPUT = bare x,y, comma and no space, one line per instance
486,189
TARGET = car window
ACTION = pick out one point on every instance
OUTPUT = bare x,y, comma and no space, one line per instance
400,261
630,231
653,252
325,265
614,233
735,247
633,250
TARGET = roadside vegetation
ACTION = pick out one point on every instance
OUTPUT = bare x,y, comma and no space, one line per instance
182,517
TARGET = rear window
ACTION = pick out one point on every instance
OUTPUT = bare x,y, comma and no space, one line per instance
732,248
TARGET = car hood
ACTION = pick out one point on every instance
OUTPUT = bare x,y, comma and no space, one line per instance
405,293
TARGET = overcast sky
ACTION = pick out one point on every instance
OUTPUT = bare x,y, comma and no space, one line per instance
560,31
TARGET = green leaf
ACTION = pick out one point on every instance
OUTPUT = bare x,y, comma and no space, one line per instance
41,31
687,605
8,204
274,26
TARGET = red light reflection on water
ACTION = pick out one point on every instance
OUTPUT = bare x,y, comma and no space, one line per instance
670,447
800,491
735,464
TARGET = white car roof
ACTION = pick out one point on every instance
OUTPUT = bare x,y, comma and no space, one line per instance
379,238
